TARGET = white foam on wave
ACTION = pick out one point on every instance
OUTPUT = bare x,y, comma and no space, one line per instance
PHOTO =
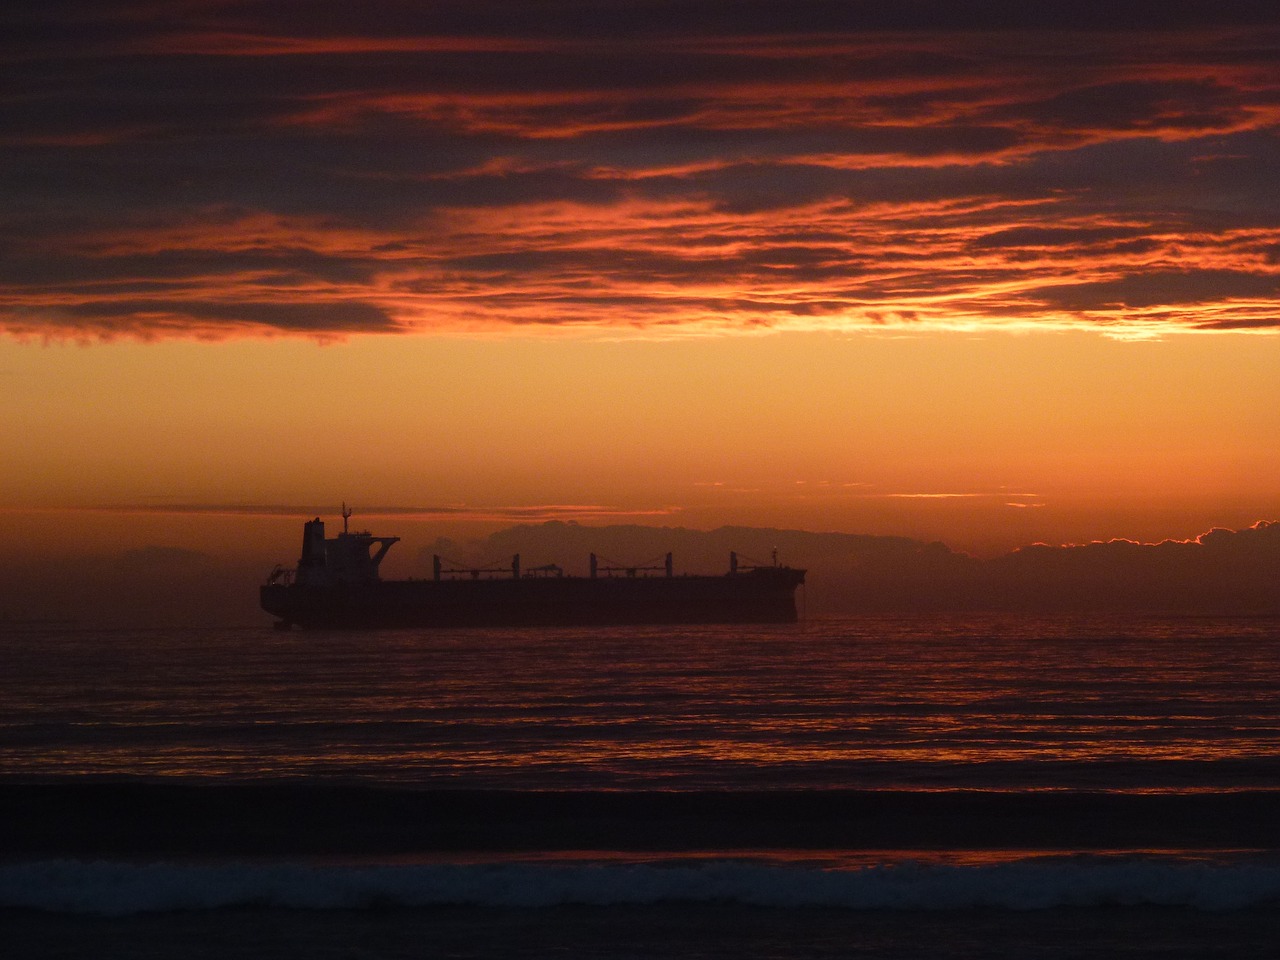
120,889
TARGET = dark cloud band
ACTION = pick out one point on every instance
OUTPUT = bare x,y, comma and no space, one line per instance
229,168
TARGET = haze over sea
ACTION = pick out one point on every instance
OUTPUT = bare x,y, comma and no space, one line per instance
941,786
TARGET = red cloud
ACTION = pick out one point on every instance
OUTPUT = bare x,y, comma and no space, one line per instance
269,176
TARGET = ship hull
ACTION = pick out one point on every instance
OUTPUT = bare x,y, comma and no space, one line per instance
762,595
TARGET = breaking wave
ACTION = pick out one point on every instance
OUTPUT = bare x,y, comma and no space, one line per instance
121,889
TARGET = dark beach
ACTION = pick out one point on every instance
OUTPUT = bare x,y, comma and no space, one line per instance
90,819
698,931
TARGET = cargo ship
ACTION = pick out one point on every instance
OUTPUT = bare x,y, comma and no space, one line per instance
336,585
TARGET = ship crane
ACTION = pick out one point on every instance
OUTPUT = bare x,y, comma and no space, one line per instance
491,570
457,568
737,566
612,566
546,570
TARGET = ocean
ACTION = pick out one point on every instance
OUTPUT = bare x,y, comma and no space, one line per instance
905,787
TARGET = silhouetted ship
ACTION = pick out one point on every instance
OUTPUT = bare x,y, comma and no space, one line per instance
336,584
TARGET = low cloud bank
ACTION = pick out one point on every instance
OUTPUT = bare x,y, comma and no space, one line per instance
1222,572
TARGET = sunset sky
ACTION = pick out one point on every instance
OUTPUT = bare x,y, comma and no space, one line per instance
989,273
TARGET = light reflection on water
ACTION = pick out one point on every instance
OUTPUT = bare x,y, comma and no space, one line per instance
1004,702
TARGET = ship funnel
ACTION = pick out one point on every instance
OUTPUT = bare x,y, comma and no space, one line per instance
313,550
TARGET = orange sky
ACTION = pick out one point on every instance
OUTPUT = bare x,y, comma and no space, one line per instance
988,281
983,441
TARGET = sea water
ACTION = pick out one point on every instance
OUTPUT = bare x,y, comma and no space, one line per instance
933,787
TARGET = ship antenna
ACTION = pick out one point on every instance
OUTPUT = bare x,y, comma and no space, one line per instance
346,515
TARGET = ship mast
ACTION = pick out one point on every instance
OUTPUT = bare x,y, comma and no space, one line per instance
346,515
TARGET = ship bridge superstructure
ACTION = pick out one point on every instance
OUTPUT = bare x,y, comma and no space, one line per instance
347,558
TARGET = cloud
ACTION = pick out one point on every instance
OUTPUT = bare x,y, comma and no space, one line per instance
726,167
1165,287
1221,572
522,512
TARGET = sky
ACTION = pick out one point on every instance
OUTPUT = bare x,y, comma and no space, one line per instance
987,273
